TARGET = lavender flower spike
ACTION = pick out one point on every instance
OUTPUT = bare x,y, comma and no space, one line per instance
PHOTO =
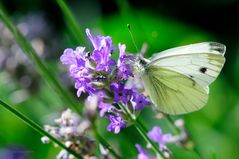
124,70
116,124
142,153
139,101
120,93
103,48
98,75
99,42
71,130
157,136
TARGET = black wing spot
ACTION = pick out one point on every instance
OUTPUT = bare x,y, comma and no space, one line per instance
203,69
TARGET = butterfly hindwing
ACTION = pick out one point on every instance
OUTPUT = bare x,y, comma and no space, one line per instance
173,93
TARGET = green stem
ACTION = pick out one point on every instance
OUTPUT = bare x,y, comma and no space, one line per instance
177,130
172,125
72,22
143,131
31,53
105,143
35,126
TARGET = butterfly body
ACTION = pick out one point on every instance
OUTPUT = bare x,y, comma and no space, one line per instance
177,79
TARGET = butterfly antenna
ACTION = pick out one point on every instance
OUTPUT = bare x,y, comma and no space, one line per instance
143,49
132,37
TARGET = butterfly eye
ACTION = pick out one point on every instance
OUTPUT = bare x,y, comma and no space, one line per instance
87,55
100,77
142,62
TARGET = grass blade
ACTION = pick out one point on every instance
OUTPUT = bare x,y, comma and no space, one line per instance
72,23
105,143
42,68
36,127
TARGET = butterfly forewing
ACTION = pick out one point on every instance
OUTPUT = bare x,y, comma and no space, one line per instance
198,48
203,68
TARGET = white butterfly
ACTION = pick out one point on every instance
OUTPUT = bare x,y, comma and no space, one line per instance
177,79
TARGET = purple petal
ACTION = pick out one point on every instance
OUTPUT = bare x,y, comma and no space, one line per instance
68,57
167,138
155,134
117,129
116,124
122,49
104,107
142,153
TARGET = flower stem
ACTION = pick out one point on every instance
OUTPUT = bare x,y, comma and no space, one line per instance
72,23
172,125
177,130
36,127
41,66
143,131
105,143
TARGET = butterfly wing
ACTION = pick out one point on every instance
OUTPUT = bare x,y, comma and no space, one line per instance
201,62
172,92
177,79
204,47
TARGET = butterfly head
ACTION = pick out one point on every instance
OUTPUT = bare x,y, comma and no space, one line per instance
139,64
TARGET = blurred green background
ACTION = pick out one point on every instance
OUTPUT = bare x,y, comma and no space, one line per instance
160,24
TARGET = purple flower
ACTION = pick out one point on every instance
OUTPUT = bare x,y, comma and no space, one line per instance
71,57
123,57
124,69
97,74
103,48
74,59
142,153
157,136
120,93
68,57
116,124
99,42
139,101
83,85
104,108
104,62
